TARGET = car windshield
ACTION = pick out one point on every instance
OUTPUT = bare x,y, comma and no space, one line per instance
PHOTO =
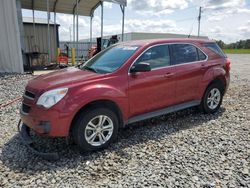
110,59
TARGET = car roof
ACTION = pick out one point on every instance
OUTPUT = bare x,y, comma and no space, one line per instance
168,40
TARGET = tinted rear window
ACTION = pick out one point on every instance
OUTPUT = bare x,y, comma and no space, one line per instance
184,53
215,48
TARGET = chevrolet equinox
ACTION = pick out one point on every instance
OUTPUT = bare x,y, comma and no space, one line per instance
123,84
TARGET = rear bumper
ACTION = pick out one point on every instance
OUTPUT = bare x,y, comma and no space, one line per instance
227,83
24,132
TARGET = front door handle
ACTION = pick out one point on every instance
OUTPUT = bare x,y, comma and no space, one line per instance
169,75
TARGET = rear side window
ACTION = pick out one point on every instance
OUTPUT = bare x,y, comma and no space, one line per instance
215,48
184,53
201,55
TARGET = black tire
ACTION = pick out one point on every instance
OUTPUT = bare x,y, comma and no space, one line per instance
82,121
204,106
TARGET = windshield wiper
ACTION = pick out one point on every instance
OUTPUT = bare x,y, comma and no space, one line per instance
90,69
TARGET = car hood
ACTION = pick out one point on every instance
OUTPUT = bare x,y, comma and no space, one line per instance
61,78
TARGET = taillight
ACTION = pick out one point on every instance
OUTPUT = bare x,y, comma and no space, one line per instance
228,65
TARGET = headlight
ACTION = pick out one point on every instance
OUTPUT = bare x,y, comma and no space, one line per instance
50,98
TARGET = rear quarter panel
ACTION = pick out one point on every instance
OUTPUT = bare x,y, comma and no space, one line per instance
215,70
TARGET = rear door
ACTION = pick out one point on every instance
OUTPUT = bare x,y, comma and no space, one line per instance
188,61
153,90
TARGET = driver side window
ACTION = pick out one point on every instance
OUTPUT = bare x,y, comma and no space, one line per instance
157,56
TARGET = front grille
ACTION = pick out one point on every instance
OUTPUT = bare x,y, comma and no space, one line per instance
29,95
26,108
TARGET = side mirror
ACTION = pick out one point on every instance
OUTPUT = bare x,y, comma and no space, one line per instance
141,67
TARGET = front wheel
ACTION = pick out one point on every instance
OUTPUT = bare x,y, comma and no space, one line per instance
212,98
95,129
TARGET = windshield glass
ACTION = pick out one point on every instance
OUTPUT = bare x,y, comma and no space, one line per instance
110,59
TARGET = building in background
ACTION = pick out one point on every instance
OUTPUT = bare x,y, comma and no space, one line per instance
84,44
11,59
20,38
37,42
144,35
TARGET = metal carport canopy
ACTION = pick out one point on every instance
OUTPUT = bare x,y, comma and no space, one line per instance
85,7
75,7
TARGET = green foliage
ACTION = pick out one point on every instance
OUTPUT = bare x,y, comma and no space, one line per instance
237,51
221,44
242,44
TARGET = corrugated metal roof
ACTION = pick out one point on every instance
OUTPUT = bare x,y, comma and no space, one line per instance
37,21
85,7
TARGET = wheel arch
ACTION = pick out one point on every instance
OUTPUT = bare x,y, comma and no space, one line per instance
100,103
203,105
219,79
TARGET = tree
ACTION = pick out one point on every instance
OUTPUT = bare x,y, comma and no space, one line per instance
221,43
247,44
236,45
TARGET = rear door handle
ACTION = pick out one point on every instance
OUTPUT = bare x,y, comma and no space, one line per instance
169,75
203,67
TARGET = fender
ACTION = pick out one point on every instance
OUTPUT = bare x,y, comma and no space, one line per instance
91,93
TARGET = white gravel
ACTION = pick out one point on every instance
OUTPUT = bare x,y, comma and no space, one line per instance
183,149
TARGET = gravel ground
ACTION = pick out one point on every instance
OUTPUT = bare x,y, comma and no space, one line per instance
183,149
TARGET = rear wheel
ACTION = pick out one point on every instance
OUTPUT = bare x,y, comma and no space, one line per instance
95,129
212,98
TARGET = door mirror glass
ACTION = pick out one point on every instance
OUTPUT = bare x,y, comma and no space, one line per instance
141,67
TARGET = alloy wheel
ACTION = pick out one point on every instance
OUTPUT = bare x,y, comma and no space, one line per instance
99,130
213,99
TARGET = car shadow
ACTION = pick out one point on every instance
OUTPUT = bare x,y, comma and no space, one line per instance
18,158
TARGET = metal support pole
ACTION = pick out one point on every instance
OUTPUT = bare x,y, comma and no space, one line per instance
48,19
70,36
74,38
55,26
34,26
74,27
101,23
123,18
90,37
55,37
77,29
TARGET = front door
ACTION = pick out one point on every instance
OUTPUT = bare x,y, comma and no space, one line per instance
153,90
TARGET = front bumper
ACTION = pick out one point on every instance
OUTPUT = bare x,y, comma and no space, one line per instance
51,122
24,132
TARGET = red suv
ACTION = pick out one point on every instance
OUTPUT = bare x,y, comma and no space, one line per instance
123,84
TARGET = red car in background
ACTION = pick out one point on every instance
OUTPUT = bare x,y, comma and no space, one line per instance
123,84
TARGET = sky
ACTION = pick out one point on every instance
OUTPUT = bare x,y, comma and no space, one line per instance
227,20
